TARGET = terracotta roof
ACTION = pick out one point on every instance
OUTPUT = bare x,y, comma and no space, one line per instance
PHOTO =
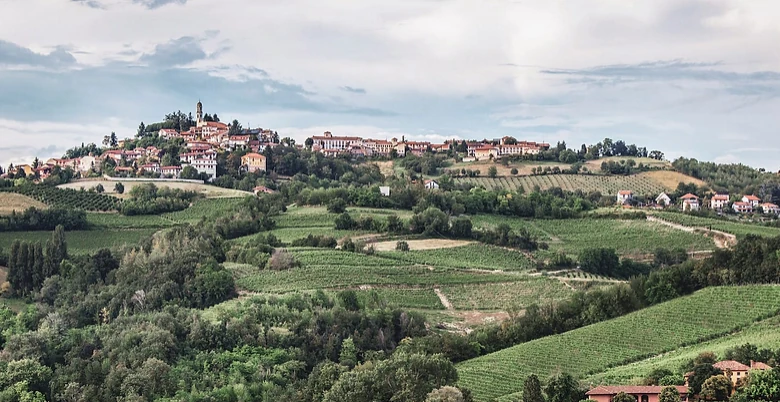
170,167
318,137
752,198
632,389
742,204
732,365
625,192
759,366
721,197
689,196
768,205
253,155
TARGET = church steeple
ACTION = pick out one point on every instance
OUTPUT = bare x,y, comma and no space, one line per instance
199,112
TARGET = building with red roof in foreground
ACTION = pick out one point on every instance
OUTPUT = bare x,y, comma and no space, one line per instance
642,393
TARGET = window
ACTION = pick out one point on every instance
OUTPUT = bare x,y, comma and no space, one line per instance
644,398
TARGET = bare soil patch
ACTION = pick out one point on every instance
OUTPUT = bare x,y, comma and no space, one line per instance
523,168
427,244
670,179
208,191
10,202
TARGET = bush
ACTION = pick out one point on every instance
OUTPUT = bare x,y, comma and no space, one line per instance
315,241
513,171
345,222
402,246
119,188
337,206
281,260
99,189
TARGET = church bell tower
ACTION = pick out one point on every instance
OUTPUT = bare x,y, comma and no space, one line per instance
199,113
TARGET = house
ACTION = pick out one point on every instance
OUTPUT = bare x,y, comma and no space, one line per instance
742,207
205,165
329,141
262,190
624,196
87,163
123,171
663,199
752,200
253,162
690,202
431,184
173,171
236,141
168,133
384,190
738,370
770,208
718,201
151,167
486,152
641,393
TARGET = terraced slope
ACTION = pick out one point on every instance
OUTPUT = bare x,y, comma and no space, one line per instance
707,314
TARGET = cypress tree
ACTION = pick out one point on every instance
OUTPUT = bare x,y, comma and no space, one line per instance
58,238
14,271
532,389
38,274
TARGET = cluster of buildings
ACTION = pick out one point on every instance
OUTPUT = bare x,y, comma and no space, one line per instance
734,370
332,145
718,202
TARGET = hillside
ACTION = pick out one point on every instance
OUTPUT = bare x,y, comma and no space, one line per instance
645,183
206,190
10,202
707,314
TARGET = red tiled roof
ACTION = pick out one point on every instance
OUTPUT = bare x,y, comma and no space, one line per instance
625,192
253,155
759,366
742,204
170,167
721,197
752,198
732,365
632,389
689,196
768,205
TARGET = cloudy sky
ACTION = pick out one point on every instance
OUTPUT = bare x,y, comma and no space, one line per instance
699,78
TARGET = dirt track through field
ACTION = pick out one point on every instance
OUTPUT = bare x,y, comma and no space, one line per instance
444,300
427,244
721,239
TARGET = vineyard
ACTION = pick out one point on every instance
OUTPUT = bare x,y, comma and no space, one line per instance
56,197
735,228
764,334
640,184
707,314
502,296
627,237
401,298
473,256
82,241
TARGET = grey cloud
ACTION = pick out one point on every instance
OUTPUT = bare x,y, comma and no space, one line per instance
353,90
176,52
13,54
90,3
152,4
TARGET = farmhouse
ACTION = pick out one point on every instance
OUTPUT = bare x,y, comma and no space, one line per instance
262,190
486,152
663,199
690,202
168,133
173,171
718,201
384,190
641,393
205,165
738,370
253,162
624,196
431,184
752,200
742,207
770,209
151,167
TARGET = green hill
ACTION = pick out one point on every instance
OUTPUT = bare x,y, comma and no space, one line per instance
705,315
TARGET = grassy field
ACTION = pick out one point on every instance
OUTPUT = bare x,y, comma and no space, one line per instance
764,334
424,299
735,228
475,256
82,241
204,189
646,183
10,202
523,168
627,237
502,296
709,313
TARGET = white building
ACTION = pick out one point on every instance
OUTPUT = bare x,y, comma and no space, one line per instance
690,202
770,208
431,184
624,196
752,200
205,165
663,199
718,201
384,190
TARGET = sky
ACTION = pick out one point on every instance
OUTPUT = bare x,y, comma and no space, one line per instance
694,78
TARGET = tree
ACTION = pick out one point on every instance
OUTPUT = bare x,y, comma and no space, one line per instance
492,171
348,355
445,394
235,128
141,130
113,140
309,143
623,397
532,389
716,388
762,385
402,246
669,394
189,172
600,261
563,387
655,376
513,171
461,228
701,373
216,118
337,206
99,188
119,188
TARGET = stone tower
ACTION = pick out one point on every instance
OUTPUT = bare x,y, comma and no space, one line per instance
199,112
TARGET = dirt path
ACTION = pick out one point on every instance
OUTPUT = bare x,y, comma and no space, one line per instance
425,244
444,301
721,239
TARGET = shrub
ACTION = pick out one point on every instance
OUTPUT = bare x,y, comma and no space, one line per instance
337,206
119,188
315,241
99,189
281,260
345,222
513,171
402,246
